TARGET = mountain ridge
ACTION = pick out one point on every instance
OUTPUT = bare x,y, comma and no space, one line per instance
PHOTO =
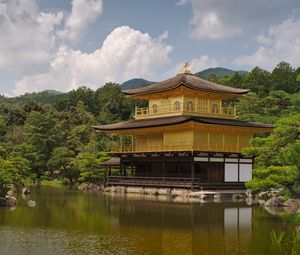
218,71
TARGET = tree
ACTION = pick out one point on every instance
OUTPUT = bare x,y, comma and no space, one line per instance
284,77
111,105
266,109
61,160
90,167
212,77
12,172
236,80
39,141
277,157
3,128
258,80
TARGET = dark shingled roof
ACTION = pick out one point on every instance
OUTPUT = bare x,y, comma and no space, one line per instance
111,162
187,80
166,121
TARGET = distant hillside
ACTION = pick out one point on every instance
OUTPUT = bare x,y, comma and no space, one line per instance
135,83
219,72
45,97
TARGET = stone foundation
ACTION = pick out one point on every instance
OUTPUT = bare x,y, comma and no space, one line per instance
178,194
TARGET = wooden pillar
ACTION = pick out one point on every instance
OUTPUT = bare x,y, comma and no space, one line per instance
121,169
192,170
164,168
121,143
109,171
209,168
106,175
131,168
223,140
239,156
132,143
208,140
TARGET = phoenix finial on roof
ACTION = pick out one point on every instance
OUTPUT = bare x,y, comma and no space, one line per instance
186,70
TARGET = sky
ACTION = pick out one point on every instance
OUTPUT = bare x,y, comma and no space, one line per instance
65,44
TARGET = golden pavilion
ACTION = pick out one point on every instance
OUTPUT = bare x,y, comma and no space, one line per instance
187,136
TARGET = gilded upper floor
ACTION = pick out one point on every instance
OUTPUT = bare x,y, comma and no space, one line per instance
186,94
184,133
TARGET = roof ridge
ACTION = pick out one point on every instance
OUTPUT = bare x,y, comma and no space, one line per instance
191,81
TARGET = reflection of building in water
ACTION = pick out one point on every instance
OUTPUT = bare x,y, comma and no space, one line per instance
167,228
237,228
224,230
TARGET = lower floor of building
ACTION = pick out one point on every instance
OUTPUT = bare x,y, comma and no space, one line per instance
202,170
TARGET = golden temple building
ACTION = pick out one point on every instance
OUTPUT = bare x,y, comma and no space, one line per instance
187,136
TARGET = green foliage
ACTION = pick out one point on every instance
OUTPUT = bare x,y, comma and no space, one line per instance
284,77
277,162
3,127
266,109
12,172
273,177
258,80
90,168
212,77
285,242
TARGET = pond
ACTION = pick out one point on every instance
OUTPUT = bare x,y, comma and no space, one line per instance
74,222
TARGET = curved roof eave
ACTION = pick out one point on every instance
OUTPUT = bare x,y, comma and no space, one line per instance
186,80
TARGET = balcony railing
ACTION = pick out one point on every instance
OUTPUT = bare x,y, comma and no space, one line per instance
166,110
153,181
178,147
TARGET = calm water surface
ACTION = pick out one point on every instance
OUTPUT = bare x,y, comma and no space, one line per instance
74,222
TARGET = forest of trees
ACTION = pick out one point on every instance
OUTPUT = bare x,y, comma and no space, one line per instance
49,135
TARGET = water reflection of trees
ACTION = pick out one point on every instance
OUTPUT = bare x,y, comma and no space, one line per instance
148,224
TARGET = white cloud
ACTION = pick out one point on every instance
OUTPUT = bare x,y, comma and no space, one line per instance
27,36
204,62
125,53
211,26
214,19
280,43
210,22
84,13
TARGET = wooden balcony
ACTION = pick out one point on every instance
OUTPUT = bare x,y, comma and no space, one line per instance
170,182
177,147
153,181
171,110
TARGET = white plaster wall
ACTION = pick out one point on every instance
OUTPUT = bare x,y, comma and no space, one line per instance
231,172
245,172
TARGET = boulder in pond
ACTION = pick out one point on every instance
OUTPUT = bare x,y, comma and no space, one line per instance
275,202
295,203
238,197
25,191
10,193
107,189
8,201
217,197
31,203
